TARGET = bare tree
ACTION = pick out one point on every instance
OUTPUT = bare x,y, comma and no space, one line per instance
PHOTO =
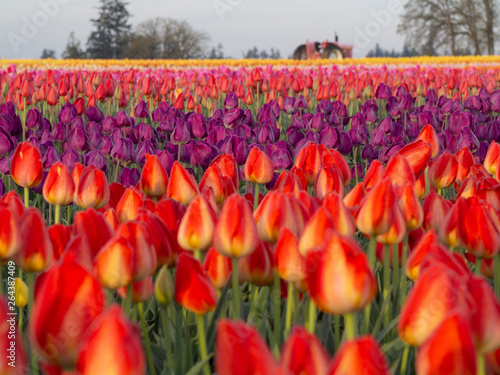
167,38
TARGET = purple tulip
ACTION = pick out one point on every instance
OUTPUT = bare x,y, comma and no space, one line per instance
121,151
77,121
329,136
97,159
91,128
76,139
383,92
203,153
144,132
237,147
289,105
181,134
144,148
96,141
280,154
123,120
165,159
141,110
167,124
108,125
473,103
106,145
69,158
6,144
2,188
67,113
317,123
94,114
265,134
369,153
59,132
160,112
198,125
129,177
233,118
300,104
6,123
7,109
231,100
33,119
431,96
325,106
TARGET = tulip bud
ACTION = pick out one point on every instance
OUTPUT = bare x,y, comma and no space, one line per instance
10,233
376,214
196,228
258,168
289,262
443,172
26,166
154,178
164,287
181,186
21,293
58,187
218,268
93,189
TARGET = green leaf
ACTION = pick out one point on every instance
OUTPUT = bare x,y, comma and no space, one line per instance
198,367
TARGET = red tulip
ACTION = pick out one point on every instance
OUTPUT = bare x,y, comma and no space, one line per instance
193,289
58,187
303,354
353,286
212,178
67,301
235,233
359,357
491,159
240,350
417,154
309,160
113,337
154,178
328,180
399,171
428,135
140,291
396,232
10,233
93,227
228,167
258,267
373,175
273,215
427,244
435,210
334,160
315,230
449,350
465,162
129,205
258,169
197,226
159,236
410,207
218,268
354,198
113,264
26,166
289,262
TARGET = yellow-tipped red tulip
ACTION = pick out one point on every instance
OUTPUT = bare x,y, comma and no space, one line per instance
93,189
228,168
76,174
273,215
410,207
373,175
398,170
396,232
376,214
342,219
10,233
213,178
218,268
435,210
258,267
491,159
235,234
113,264
417,154
334,159
465,162
26,166
328,180
354,285
129,205
258,169
289,262
182,186
154,178
58,187
197,226
315,230
443,172
309,160
427,244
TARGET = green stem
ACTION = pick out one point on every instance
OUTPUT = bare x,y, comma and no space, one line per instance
202,343
387,269
371,259
350,324
395,271
477,270
403,271
116,170
336,331
427,182
26,197
481,364
276,308
312,316
236,290
497,275
69,215
166,332
256,197
147,345
404,360
57,216
289,309
197,255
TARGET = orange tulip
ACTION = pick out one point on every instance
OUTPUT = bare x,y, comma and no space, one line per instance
303,353
334,160
218,268
450,350
375,215
309,160
373,175
26,166
398,170
428,135
289,262
328,180
478,227
417,154
354,198
235,233
410,207
35,253
154,178
437,292
228,168
10,233
396,232
112,218
93,188
240,350
491,159
213,178
427,244
70,290
443,172
354,285
182,186
287,182
113,337
58,187
258,169
258,267
193,289
359,357
197,226
129,205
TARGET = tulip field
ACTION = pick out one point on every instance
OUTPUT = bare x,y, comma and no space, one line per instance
250,217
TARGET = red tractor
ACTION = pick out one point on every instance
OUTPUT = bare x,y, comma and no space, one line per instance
325,50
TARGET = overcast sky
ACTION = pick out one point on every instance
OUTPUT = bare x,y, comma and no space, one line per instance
29,26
